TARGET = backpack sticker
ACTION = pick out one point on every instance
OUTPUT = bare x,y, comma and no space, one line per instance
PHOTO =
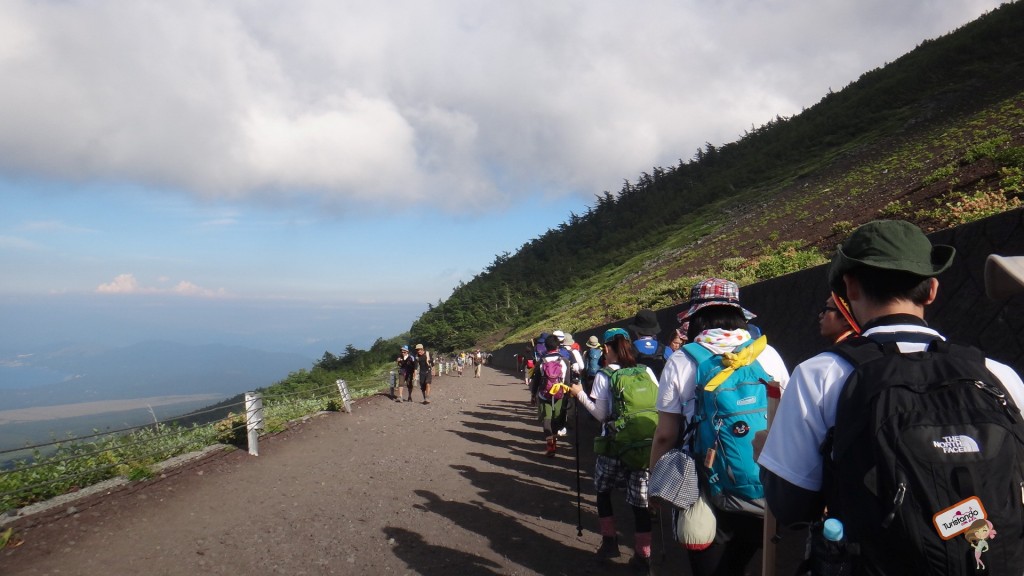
740,428
978,535
958,518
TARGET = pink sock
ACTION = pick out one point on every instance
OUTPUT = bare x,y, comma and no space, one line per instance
643,544
608,527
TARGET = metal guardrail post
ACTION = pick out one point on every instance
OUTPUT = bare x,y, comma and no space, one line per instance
254,420
345,396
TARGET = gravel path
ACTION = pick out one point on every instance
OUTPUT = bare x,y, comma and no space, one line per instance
458,487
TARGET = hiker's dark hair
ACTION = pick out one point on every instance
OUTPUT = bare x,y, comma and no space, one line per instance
623,349
725,317
551,343
883,286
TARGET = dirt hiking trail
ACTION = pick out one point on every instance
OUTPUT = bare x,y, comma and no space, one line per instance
456,487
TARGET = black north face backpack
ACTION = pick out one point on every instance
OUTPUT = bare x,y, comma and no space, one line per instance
927,461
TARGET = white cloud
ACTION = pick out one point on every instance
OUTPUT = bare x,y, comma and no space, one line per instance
122,284
17,243
463,104
128,284
51,226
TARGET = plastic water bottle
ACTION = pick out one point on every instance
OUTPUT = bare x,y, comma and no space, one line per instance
833,530
830,552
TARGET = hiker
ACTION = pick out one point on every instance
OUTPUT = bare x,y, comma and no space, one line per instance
835,321
478,363
649,351
460,363
406,369
547,390
904,474
721,445
575,358
593,360
425,368
624,395
570,351
677,340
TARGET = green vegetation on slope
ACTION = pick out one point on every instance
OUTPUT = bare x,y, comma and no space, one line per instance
935,137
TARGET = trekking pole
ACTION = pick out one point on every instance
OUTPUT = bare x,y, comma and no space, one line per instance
661,528
579,481
770,525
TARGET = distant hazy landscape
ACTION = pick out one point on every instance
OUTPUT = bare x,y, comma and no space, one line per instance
73,389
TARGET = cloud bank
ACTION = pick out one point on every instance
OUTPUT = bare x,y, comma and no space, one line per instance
128,284
461,104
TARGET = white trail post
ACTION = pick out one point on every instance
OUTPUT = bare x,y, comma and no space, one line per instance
346,398
254,420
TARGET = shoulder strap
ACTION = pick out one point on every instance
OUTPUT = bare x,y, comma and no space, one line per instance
697,352
743,355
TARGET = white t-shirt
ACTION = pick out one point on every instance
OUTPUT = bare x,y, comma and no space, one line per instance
678,385
808,409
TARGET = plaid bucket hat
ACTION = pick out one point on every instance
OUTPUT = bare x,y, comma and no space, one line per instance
714,292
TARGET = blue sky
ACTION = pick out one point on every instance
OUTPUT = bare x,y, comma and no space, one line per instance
303,175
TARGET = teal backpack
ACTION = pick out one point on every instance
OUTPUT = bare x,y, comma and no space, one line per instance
630,430
725,422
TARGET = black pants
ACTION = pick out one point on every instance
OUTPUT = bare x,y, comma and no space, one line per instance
737,540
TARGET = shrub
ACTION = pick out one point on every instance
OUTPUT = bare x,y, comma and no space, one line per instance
941,174
787,258
842,228
981,205
232,430
895,209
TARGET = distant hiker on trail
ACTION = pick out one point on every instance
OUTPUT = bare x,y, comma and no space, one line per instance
460,363
913,417
547,389
527,368
478,363
424,367
649,351
406,370
624,396
714,388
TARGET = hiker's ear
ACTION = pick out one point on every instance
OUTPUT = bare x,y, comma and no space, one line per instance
933,290
853,292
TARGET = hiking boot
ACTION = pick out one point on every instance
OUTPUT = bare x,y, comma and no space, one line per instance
550,452
609,548
640,564
563,432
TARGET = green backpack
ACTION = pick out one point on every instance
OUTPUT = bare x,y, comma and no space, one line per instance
630,430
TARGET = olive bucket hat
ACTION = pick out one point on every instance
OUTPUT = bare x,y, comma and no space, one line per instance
890,245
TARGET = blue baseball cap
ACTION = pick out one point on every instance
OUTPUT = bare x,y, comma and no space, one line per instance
611,333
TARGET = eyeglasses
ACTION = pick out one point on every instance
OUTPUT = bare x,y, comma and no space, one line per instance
827,309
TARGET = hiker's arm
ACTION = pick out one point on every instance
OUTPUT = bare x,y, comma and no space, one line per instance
597,409
790,503
666,435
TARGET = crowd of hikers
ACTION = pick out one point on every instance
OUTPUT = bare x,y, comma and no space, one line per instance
421,367
893,451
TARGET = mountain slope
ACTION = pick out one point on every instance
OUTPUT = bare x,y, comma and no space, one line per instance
935,137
